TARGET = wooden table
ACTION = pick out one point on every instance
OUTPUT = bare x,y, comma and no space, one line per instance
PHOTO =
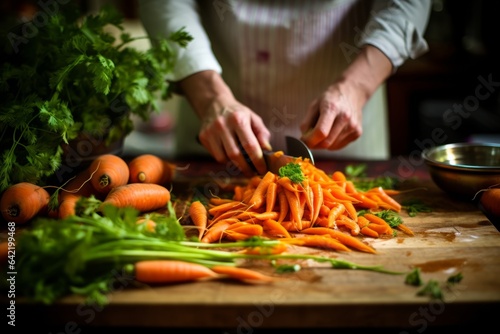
454,237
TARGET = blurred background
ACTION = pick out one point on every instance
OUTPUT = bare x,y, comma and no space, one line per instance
454,89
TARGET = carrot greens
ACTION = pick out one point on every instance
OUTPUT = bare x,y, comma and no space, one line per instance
293,171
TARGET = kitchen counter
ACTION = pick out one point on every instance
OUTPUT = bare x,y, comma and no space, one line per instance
455,237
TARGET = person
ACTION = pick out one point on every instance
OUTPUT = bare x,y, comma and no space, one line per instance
257,71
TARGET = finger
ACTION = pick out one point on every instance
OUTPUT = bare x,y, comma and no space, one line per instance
251,146
214,147
310,119
261,132
233,152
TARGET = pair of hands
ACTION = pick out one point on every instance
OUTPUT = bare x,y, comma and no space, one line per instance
332,121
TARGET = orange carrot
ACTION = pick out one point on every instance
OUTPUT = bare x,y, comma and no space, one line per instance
170,271
388,200
216,210
385,228
351,211
317,199
247,228
364,201
339,178
111,171
242,274
22,201
149,168
78,187
141,196
350,189
348,223
334,213
344,238
283,203
319,241
274,228
199,216
291,226
238,193
257,199
405,229
271,195
215,232
368,231
249,215
294,207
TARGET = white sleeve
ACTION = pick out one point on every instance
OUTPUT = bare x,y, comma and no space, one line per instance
396,27
162,17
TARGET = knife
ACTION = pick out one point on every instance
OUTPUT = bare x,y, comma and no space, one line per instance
295,149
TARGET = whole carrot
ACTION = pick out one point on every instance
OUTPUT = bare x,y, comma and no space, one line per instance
78,187
141,196
259,195
170,271
109,171
23,201
149,168
198,214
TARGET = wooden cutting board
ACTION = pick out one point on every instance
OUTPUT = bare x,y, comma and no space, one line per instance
455,237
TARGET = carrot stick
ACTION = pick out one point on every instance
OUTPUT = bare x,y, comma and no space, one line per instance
170,271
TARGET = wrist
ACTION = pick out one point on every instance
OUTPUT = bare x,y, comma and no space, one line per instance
367,72
206,90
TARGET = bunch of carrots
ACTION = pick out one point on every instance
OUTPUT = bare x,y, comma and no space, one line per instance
141,183
302,206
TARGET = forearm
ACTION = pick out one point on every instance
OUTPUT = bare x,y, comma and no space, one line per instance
368,71
206,90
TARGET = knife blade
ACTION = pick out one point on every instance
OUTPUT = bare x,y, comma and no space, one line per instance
295,149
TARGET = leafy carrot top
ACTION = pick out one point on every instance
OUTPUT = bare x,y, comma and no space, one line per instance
293,171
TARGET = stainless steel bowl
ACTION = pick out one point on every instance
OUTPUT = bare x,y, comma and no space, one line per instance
462,169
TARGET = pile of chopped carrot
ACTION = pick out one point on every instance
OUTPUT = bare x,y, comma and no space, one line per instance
321,211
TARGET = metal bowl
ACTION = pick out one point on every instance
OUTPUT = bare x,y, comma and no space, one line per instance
462,169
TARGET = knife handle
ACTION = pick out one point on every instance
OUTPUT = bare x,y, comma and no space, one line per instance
247,158
243,152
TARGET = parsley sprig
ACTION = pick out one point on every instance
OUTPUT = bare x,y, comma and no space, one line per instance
72,77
